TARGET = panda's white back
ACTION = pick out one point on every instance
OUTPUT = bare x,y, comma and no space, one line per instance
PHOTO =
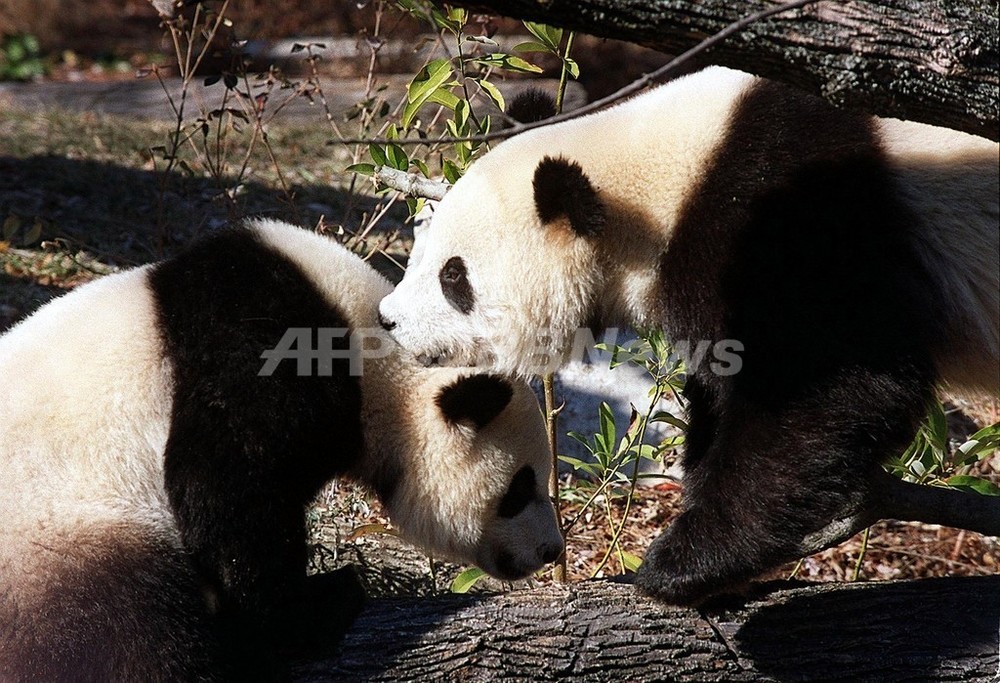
87,416
337,273
946,176
674,127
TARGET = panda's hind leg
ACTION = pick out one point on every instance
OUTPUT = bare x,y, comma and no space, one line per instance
112,603
760,477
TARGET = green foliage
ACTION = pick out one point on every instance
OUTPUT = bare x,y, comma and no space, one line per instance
466,579
457,88
613,468
14,231
930,458
21,58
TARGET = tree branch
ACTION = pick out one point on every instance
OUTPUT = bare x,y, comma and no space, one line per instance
936,61
410,184
893,498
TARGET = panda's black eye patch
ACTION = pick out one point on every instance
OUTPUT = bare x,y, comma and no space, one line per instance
520,492
456,286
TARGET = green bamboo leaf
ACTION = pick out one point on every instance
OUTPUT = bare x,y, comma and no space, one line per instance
34,233
531,46
431,77
378,155
938,427
632,562
607,420
446,22
670,419
421,166
467,579
572,68
361,169
11,225
580,438
509,63
977,484
423,85
494,94
409,113
461,120
397,157
444,97
549,35
450,171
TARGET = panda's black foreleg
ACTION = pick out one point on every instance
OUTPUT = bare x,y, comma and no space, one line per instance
239,501
759,479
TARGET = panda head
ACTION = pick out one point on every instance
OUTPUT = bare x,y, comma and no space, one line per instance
470,479
505,274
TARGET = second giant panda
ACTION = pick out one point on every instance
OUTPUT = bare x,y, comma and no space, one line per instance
154,472
848,262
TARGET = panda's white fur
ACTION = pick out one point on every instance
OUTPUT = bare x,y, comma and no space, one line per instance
403,423
85,418
851,261
535,287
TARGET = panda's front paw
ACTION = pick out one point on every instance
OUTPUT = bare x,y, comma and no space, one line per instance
689,563
665,575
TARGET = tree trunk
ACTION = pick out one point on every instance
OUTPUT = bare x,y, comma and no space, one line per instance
935,61
933,629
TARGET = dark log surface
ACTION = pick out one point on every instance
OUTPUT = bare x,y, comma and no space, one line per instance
935,61
934,629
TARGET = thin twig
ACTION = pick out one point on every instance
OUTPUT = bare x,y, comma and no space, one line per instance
856,574
552,429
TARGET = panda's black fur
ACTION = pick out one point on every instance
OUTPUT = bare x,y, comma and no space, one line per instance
770,218
531,105
826,391
219,306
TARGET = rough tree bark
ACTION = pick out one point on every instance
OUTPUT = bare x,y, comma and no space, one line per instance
935,61
934,629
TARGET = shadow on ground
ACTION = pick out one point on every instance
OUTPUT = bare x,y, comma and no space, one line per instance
124,216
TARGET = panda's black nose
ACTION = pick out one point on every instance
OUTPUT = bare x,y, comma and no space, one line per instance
387,325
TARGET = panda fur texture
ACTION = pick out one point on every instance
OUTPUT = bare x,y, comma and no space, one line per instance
855,259
153,486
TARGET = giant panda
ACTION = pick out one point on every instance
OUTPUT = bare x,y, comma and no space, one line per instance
153,476
842,264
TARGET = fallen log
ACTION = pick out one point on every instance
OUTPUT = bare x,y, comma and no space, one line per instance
934,629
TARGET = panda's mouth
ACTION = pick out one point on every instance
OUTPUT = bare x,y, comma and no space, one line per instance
444,358
429,360
509,569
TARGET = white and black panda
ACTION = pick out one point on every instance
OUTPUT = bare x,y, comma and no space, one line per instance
852,262
153,478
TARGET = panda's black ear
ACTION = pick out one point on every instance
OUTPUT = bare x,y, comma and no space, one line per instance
476,399
563,190
531,105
